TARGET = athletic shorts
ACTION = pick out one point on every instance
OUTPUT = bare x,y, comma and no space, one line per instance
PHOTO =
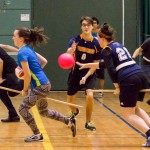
100,73
74,86
129,90
146,69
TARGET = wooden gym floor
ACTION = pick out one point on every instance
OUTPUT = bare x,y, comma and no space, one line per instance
113,132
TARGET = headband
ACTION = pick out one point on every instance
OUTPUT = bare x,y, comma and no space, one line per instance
104,35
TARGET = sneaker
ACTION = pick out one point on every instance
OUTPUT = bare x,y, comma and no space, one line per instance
11,119
147,144
35,137
100,94
72,125
90,126
72,115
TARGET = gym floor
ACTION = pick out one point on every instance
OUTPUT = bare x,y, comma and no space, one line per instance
113,132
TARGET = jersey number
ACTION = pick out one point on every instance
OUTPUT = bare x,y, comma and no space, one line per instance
123,53
83,57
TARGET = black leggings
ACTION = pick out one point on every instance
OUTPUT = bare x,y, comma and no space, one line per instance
14,83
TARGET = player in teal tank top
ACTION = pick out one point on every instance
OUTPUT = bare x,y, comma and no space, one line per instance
38,77
32,64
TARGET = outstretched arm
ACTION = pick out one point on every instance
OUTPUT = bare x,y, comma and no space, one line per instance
43,61
9,48
137,52
92,67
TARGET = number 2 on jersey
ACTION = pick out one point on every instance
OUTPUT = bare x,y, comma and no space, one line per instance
123,53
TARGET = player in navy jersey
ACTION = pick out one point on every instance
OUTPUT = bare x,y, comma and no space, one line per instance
128,79
85,49
145,61
25,39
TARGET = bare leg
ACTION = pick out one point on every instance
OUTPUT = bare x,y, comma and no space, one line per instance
71,99
142,114
130,115
101,83
89,105
101,86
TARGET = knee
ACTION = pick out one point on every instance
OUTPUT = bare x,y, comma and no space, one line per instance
43,113
138,110
89,94
22,110
127,116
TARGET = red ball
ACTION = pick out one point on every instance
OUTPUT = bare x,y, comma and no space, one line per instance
66,61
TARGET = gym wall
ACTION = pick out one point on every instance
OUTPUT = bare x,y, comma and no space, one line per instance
60,18
15,14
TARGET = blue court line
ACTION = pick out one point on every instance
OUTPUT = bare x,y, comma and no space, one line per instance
139,132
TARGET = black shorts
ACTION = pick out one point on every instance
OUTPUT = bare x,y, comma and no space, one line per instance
129,90
100,73
74,86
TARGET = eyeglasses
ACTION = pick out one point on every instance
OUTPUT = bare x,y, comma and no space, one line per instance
86,25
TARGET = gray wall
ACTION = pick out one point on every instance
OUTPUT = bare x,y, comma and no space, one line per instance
10,18
60,18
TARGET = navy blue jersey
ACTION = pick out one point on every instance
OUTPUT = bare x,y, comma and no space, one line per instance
119,62
86,52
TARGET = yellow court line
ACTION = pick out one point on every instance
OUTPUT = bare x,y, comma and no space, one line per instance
46,142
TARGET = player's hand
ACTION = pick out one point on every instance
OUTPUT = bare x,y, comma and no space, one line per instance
83,80
117,91
2,80
73,47
24,93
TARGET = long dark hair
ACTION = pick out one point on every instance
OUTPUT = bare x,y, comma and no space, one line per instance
33,37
